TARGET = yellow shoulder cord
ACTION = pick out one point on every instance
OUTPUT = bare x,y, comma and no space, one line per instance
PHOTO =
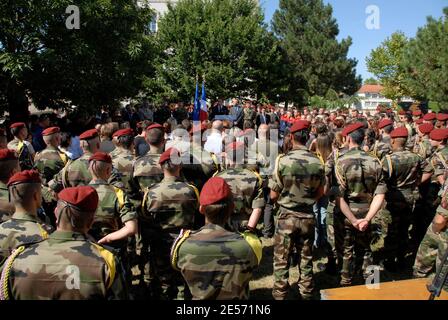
260,179
389,164
255,243
276,174
321,159
144,199
196,191
339,176
20,146
215,161
184,234
43,232
63,157
109,258
120,197
4,280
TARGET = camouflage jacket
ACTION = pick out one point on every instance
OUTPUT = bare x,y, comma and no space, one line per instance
264,153
438,164
114,209
146,172
76,173
25,157
4,196
424,149
360,177
402,171
381,148
247,189
297,178
49,162
217,264
330,173
199,165
170,206
66,266
123,160
19,230
249,114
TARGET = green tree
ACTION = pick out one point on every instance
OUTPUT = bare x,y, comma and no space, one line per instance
224,40
426,62
385,63
371,81
102,62
317,61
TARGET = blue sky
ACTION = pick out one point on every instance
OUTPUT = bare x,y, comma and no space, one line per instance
404,15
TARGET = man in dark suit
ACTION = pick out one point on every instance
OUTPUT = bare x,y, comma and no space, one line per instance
218,109
263,118
237,112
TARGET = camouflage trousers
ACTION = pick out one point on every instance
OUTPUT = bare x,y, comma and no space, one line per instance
166,283
293,232
443,247
427,254
354,246
330,230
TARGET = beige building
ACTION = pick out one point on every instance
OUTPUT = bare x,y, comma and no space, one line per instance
370,97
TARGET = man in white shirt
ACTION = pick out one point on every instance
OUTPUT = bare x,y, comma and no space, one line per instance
214,140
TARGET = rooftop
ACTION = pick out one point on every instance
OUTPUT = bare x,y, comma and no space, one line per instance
371,88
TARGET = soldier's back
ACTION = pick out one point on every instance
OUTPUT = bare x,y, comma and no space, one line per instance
44,270
123,161
4,196
48,162
77,172
225,266
146,170
403,169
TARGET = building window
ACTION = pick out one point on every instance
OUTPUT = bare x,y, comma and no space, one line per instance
153,24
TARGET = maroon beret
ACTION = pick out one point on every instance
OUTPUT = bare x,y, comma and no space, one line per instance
89,134
419,121
17,125
8,154
155,126
402,112
384,123
426,128
84,198
101,156
50,131
168,154
442,116
214,191
123,132
416,113
351,128
400,132
439,134
299,125
429,116
27,176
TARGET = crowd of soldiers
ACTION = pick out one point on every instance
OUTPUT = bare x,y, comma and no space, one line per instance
180,206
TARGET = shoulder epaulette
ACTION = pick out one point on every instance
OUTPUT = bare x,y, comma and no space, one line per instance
4,279
184,234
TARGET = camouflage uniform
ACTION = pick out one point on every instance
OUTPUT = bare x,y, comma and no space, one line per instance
247,189
424,149
402,172
122,160
199,165
381,148
249,117
4,195
216,263
360,178
46,270
168,207
297,178
21,229
25,158
49,162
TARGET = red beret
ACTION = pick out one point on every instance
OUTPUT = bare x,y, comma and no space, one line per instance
168,154
155,126
235,146
419,121
442,116
299,125
27,176
351,128
388,110
50,131
416,113
400,132
439,134
8,154
429,116
17,125
123,132
84,198
101,156
384,123
426,128
402,112
89,134
214,191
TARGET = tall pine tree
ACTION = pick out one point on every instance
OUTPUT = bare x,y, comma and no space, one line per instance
317,61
